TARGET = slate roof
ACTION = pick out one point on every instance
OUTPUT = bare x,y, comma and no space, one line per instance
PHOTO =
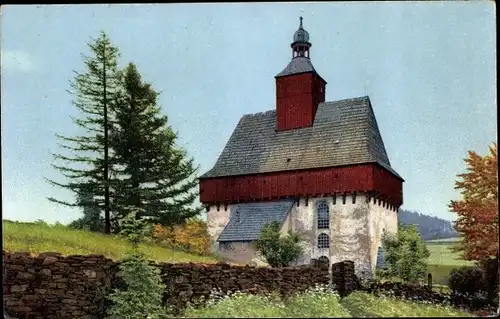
296,66
344,132
247,220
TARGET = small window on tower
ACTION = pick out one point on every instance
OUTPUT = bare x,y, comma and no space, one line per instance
323,241
323,217
324,259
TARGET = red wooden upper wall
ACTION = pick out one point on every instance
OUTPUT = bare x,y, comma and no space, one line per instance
297,98
348,179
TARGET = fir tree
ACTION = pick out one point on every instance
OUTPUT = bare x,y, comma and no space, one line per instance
143,293
91,219
87,168
153,173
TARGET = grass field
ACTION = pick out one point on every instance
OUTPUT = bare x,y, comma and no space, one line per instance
39,237
320,305
442,260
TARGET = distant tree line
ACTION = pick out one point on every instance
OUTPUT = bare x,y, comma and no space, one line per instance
429,227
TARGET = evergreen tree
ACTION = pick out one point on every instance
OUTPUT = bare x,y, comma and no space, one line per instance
143,292
91,219
93,91
153,175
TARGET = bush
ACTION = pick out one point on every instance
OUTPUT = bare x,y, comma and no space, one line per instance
278,250
191,237
405,255
491,279
466,281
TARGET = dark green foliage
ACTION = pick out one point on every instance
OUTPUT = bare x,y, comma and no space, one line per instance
91,219
143,293
491,277
93,92
466,280
152,172
278,250
135,229
405,255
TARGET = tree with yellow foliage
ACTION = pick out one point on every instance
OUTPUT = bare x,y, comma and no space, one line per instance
191,236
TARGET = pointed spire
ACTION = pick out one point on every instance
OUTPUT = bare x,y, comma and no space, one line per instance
301,44
301,35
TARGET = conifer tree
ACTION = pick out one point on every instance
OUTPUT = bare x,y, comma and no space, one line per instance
154,175
91,219
143,292
87,169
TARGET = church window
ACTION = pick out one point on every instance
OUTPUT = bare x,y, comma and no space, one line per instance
323,241
323,218
324,259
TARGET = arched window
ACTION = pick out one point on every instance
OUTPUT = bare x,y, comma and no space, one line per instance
323,241
324,259
323,218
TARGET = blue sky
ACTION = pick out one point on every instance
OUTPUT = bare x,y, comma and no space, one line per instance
429,69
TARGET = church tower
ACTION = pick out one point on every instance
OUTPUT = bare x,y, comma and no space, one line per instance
299,88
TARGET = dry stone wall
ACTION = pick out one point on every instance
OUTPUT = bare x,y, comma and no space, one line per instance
53,286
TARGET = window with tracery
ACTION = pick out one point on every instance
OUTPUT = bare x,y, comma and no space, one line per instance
323,217
323,241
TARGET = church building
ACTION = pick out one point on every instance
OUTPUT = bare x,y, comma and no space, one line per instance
318,168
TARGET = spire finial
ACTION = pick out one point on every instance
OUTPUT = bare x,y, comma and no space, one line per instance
300,22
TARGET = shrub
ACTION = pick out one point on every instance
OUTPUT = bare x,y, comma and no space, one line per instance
405,255
142,296
191,237
278,250
490,269
466,280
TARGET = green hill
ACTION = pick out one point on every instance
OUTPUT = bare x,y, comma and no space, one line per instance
40,237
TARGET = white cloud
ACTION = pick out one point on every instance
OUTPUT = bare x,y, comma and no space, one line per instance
19,61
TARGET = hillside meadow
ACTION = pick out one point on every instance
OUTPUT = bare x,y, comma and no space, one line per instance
443,260
40,237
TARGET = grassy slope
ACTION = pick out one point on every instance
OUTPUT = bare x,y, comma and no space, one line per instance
37,238
442,260
321,305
